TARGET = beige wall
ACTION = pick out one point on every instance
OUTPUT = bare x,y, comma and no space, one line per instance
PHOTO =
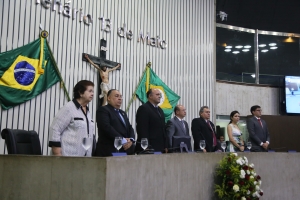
231,97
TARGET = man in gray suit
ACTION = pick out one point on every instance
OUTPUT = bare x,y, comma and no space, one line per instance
258,131
177,126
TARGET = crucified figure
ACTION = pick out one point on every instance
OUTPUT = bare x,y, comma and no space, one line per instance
105,87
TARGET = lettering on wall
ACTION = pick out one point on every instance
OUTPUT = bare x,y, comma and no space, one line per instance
123,32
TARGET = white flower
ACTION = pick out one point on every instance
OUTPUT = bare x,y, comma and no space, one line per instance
248,192
257,187
254,194
248,172
236,188
257,194
251,177
259,182
254,174
251,165
239,161
255,182
242,175
246,160
243,198
235,154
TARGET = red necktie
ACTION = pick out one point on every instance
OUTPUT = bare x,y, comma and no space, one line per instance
260,122
212,131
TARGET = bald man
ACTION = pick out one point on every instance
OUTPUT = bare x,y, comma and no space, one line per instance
150,123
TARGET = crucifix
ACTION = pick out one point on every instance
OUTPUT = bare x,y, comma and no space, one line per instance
104,67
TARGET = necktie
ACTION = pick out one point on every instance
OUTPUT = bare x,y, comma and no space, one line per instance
183,126
157,111
121,117
260,122
214,137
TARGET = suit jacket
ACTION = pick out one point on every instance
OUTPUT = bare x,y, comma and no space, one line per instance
257,134
150,124
202,131
174,127
110,125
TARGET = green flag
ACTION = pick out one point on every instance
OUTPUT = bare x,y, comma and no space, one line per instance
169,98
26,72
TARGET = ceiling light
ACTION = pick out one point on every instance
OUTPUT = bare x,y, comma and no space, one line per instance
239,46
272,44
236,52
247,46
253,75
273,47
245,50
228,47
289,39
227,50
262,45
264,50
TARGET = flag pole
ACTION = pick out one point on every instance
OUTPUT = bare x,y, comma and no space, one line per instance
62,84
133,95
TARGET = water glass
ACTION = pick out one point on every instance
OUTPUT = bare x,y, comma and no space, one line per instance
202,144
144,143
118,143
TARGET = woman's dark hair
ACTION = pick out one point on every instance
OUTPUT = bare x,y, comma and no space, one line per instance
232,114
80,87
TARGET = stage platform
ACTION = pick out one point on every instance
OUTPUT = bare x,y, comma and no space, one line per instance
154,177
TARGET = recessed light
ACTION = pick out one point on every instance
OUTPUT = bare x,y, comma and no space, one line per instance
239,46
273,47
262,45
264,50
227,50
235,52
228,47
245,50
247,46
272,44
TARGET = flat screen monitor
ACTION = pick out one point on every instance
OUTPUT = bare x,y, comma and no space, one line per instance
176,141
292,95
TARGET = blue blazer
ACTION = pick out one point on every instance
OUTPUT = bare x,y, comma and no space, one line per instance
110,125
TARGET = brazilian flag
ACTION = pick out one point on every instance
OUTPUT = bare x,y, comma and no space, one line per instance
26,72
168,99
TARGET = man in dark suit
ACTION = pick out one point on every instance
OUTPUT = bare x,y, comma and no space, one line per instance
177,126
258,131
203,129
113,122
150,122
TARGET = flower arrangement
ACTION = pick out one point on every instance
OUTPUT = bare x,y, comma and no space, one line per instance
236,179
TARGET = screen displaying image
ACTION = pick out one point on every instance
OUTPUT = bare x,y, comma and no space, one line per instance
292,94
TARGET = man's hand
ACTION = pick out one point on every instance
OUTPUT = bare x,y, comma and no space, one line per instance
265,145
119,66
86,56
204,150
128,144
